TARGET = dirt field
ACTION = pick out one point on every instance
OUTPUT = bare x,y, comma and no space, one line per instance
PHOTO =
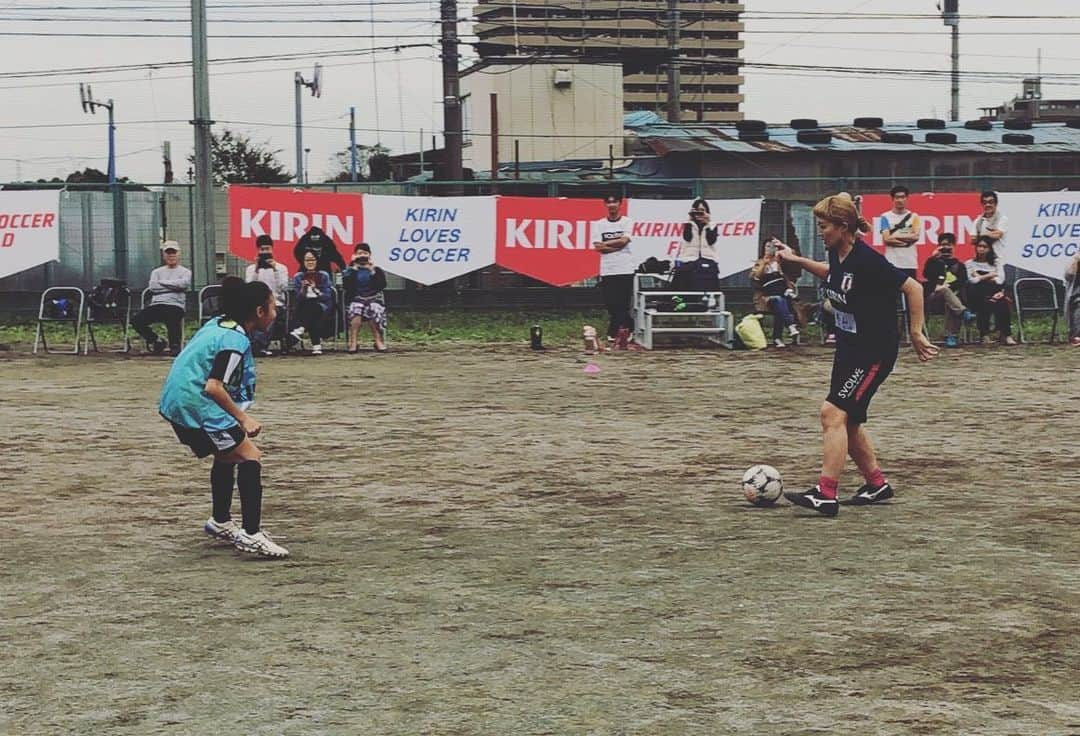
490,541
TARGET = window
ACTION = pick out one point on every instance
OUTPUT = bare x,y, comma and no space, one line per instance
466,120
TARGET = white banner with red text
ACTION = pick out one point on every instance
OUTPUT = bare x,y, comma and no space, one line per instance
29,230
658,226
433,239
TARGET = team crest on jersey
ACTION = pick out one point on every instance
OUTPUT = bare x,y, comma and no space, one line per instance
846,282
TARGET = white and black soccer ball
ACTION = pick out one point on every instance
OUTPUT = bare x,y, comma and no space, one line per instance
762,485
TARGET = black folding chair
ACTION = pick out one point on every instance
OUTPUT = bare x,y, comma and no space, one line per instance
1036,295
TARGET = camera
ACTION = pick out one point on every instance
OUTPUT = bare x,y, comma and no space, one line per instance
264,259
361,260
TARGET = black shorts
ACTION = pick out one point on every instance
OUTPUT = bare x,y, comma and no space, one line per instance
203,442
856,376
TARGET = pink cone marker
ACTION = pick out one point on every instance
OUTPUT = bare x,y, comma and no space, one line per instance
592,368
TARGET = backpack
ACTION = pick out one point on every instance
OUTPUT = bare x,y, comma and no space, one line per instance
700,275
109,299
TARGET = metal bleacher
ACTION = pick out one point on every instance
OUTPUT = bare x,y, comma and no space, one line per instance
655,313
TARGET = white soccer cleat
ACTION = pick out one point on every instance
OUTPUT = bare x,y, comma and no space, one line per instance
260,544
226,531
316,349
793,330
778,343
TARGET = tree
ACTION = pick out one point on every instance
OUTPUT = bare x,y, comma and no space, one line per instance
91,176
372,164
237,160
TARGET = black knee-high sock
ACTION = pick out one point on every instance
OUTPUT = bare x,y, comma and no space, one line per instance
249,481
222,477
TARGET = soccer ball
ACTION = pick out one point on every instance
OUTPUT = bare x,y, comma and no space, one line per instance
762,485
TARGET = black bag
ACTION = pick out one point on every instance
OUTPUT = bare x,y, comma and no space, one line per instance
700,275
109,299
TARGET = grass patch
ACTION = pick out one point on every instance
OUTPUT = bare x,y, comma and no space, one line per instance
561,328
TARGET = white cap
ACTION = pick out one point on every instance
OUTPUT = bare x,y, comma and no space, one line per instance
170,245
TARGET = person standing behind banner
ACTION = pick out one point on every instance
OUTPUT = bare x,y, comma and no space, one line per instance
276,276
611,237
699,235
992,224
900,230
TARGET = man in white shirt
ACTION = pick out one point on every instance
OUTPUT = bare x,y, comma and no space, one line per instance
276,276
993,224
900,230
611,237
169,286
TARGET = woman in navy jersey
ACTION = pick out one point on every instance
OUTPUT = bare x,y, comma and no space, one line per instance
862,288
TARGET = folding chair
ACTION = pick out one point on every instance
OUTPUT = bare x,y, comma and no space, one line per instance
96,315
60,304
209,303
1036,295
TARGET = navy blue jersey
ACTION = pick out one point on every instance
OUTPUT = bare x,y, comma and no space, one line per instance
863,292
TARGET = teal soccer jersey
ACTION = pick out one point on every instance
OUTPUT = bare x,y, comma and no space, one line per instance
222,350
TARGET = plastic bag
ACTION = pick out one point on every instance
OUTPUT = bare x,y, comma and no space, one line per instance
750,332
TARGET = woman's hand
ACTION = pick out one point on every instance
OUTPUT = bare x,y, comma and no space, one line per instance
923,347
251,427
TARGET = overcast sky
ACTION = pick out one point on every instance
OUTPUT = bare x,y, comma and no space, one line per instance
257,98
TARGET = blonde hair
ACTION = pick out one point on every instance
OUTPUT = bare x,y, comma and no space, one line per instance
840,209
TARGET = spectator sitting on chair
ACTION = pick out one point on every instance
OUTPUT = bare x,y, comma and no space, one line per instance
944,278
774,293
364,283
276,276
169,285
314,300
1072,299
986,291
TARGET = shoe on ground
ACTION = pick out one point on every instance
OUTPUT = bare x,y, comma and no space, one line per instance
951,341
298,333
226,531
265,353
869,494
260,544
1008,340
831,339
1075,342
779,343
316,349
814,500
159,346
174,352
793,330
987,340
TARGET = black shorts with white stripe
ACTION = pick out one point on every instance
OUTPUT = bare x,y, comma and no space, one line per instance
856,377
209,442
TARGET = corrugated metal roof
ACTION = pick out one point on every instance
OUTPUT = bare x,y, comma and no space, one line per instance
682,137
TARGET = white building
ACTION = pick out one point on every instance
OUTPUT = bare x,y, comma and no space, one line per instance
555,109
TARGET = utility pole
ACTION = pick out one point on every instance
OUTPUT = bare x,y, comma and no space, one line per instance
90,105
950,13
315,85
352,144
451,91
203,210
674,101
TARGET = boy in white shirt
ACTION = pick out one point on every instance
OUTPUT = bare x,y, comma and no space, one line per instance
611,237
